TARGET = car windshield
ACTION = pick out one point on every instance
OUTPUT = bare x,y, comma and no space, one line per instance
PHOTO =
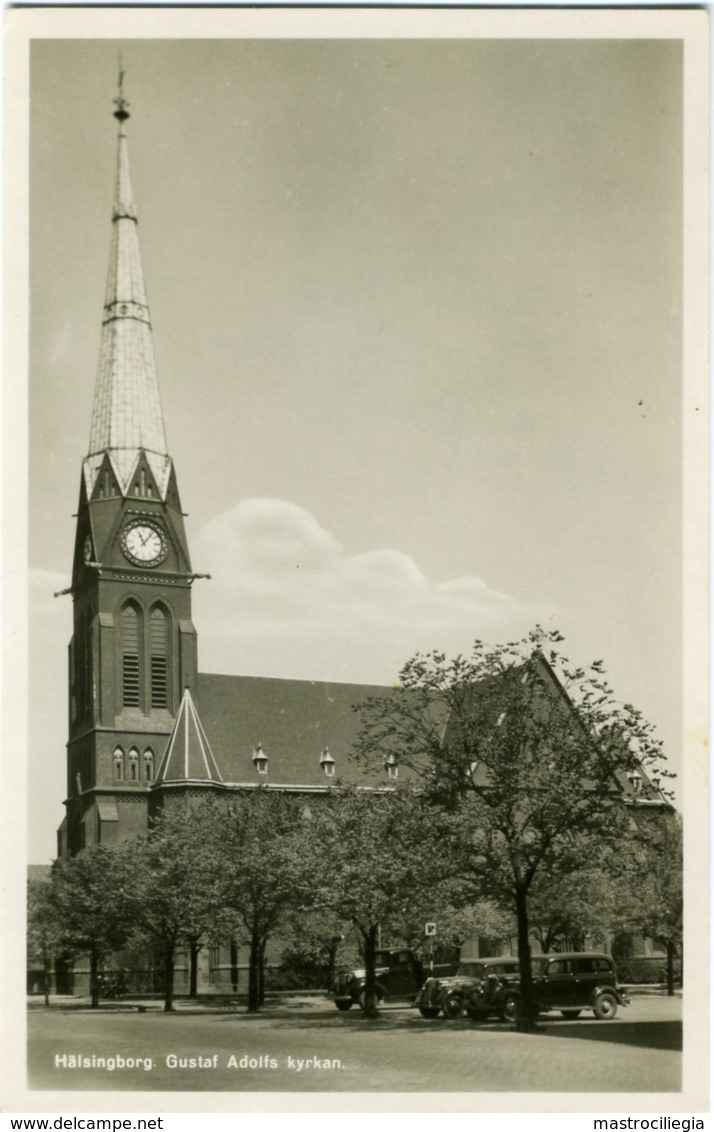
471,969
539,964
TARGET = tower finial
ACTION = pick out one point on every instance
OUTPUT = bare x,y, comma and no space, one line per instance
121,113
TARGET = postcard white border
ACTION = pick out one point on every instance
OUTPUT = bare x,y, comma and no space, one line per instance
24,25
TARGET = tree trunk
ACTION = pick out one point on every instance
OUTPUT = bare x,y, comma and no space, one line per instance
253,973
234,964
332,960
94,979
670,967
48,976
526,1019
169,978
370,982
194,949
261,973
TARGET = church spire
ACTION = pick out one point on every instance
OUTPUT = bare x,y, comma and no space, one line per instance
127,417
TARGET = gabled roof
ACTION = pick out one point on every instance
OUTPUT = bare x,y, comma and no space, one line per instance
294,721
633,786
188,756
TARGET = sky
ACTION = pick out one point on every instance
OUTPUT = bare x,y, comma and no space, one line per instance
417,313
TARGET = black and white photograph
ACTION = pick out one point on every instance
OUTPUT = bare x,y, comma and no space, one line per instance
356,448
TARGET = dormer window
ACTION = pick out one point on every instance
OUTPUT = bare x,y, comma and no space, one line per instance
635,781
260,759
327,763
392,766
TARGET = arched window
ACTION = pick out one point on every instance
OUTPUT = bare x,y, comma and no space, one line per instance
118,764
148,765
159,643
131,656
133,765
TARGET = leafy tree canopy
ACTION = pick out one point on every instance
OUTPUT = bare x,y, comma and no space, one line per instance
530,752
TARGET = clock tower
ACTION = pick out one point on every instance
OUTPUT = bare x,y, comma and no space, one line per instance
133,650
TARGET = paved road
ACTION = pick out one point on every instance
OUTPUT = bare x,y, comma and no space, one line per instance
400,1051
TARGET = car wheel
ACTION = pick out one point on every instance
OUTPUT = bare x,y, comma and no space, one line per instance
343,1004
453,1006
605,1006
508,1008
429,1011
571,1013
476,1015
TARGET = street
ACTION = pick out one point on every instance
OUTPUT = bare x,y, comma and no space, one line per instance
310,1046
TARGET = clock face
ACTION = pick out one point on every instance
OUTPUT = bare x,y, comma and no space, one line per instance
144,543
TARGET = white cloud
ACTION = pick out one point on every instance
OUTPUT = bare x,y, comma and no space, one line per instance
286,600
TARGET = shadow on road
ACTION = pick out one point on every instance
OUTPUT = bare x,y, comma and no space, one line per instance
646,1034
653,1035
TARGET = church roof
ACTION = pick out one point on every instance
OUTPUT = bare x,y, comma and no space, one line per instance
127,415
188,756
293,721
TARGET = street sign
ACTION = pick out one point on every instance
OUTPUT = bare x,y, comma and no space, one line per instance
429,929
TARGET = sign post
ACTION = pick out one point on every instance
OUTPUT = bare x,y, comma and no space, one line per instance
430,933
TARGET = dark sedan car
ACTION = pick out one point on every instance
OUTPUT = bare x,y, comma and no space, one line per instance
566,982
449,995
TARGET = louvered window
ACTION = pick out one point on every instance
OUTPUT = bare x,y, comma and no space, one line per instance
131,657
159,659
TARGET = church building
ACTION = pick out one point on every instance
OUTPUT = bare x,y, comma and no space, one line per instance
135,692
145,725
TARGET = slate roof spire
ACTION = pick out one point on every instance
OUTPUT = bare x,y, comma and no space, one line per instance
127,417
188,756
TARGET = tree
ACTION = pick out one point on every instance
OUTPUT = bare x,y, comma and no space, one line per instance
42,929
314,936
87,906
583,905
380,851
177,888
459,915
656,906
264,856
532,763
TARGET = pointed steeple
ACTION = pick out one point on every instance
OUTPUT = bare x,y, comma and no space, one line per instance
127,416
188,756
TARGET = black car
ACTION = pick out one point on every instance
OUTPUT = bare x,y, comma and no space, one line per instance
568,982
399,976
449,995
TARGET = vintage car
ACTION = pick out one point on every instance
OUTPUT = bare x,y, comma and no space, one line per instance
568,982
449,995
399,976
